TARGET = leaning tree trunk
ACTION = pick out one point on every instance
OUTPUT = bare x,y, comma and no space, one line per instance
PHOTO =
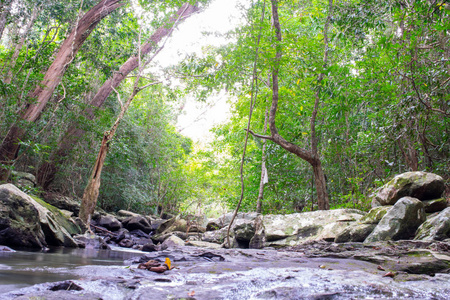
91,191
52,78
47,171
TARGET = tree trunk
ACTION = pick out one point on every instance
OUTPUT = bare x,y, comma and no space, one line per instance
90,195
321,186
263,170
47,171
52,78
91,191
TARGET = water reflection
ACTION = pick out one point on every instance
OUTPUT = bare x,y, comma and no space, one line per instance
24,268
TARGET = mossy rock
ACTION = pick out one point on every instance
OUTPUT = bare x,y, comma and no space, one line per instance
375,215
420,185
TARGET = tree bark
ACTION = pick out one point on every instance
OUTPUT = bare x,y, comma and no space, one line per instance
91,191
47,171
44,90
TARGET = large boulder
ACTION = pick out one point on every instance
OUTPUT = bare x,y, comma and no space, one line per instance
293,229
137,223
28,222
400,222
420,185
109,222
435,205
225,220
435,228
355,233
23,179
360,230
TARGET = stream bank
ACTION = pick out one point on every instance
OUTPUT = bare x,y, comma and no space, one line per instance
224,274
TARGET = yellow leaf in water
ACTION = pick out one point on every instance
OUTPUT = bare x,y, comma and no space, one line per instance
168,263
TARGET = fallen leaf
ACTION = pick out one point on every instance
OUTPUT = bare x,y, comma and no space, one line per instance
191,294
380,268
389,274
168,263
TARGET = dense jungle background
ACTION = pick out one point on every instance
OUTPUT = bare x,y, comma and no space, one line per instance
362,89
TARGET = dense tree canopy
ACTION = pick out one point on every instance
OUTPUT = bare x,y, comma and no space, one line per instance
363,87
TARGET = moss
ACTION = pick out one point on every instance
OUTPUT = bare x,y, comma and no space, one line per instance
59,216
374,215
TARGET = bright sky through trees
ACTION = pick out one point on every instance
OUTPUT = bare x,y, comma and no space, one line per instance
221,16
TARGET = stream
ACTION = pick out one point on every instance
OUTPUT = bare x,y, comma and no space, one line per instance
203,274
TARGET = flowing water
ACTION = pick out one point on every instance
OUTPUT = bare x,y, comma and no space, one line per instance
203,274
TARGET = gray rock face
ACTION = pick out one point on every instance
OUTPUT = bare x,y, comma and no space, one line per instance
109,222
355,233
138,222
435,228
290,230
27,222
420,185
400,222
243,233
435,205
360,230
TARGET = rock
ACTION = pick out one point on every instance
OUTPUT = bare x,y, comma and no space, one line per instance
164,225
160,238
62,202
202,244
400,222
126,243
290,230
225,220
375,215
90,241
420,185
217,236
212,225
259,238
360,230
109,222
435,205
28,222
127,214
355,233
243,233
6,249
149,247
172,241
137,222
23,179
435,228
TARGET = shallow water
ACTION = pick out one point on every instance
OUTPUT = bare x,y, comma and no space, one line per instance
238,274
25,268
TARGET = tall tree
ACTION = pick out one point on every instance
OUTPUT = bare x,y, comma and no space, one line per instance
47,171
311,156
52,78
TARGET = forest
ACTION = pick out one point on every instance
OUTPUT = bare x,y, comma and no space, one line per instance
328,101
